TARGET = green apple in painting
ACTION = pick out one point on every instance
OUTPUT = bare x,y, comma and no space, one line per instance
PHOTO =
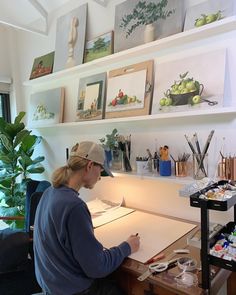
168,101
200,22
163,101
190,85
210,18
196,99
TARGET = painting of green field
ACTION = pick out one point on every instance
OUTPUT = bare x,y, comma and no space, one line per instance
99,47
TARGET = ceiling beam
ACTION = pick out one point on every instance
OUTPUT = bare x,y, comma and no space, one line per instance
102,2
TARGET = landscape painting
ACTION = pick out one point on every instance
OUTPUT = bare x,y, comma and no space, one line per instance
46,108
208,12
188,83
134,17
99,47
91,98
70,39
43,65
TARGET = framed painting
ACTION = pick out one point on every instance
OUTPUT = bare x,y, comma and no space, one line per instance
91,97
208,12
129,91
46,108
43,65
99,47
188,83
133,19
70,38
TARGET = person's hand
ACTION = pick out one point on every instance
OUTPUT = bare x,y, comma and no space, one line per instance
134,243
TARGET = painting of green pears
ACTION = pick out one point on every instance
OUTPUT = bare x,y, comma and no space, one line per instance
208,12
205,19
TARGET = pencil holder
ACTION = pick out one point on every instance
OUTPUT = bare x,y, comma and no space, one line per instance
200,166
180,168
144,166
165,168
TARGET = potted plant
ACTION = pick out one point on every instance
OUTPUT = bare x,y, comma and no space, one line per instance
17,146
145,14
112,150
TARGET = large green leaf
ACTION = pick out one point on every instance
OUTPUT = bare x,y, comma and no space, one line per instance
19,117
20,137
6,142
35,169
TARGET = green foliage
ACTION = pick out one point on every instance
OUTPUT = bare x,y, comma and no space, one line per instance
17,145
110,142
144,14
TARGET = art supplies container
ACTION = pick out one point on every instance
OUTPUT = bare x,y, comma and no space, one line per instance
200,166
180,168
144,167
165,168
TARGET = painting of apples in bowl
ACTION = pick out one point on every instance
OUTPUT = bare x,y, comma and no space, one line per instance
183,91
186,82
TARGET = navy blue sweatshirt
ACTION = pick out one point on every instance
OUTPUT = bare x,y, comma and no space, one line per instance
68,257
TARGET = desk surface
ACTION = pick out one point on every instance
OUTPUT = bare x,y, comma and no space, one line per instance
164,283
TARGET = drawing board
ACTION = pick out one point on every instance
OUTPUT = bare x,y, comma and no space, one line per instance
156,233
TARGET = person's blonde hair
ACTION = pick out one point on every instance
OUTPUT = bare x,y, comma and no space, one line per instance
62,175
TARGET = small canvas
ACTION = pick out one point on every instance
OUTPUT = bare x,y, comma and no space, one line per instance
70,39
132,16
46,107
43,65
208,12
129,91
91,97
190,82
99,47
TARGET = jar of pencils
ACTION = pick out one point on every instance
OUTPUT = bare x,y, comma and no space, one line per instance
200,166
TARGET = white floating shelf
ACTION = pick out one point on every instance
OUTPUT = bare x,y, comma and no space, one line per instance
155,176
213,111
219,27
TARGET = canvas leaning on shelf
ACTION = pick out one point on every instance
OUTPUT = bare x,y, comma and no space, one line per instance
187,82
99,47
208,12
133,19
129,91
70,39
43,65
91,97
46,108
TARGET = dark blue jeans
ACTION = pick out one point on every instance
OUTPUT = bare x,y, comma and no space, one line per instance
100,287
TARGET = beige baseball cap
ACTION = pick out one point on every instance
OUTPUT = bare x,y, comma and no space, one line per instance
94,152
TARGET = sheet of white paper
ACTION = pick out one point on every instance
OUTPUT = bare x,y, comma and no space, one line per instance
110,215
156,233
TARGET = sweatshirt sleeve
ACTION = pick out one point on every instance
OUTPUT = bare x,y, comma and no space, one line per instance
93,258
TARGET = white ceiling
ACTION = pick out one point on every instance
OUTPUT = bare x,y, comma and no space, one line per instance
23,13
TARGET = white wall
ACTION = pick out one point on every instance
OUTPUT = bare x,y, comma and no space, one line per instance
152,195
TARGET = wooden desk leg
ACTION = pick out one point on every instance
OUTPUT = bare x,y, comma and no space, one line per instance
231,284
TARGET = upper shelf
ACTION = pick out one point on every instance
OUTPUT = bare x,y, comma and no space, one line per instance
219,27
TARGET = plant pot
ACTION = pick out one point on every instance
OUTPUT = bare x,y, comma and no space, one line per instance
149,33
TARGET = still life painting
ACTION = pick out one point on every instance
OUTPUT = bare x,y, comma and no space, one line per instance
46,107
188,83
208,12
43,65
139,21
99,47
91,98
70,39
129,91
